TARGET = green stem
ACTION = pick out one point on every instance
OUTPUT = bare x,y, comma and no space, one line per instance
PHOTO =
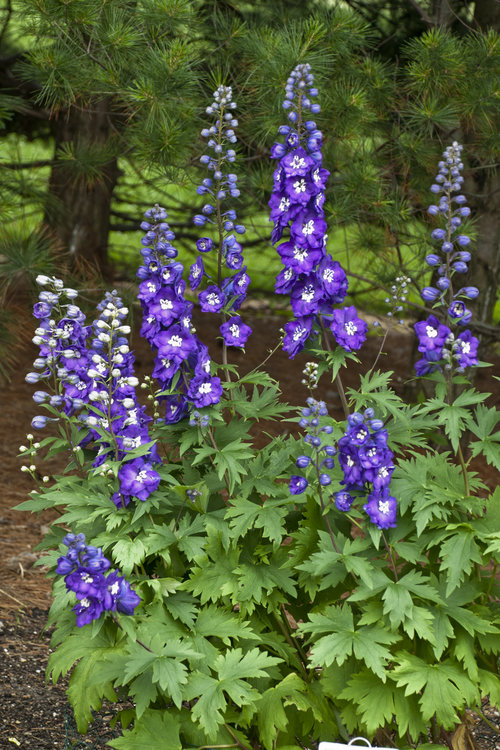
338,381
391,557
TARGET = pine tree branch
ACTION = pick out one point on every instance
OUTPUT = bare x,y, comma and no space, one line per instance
29,164
8,10
421,12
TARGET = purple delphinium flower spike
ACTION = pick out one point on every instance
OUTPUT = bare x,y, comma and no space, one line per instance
83,568
167,321
438,342
216,214
314,281
366,462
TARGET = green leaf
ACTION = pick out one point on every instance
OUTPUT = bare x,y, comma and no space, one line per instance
445,689
373,699
154,730
489,442
86,697
233,669
170,674
127,553
272,717
270,517
367,643
458,553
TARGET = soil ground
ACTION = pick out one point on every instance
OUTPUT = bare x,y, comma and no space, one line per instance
35,716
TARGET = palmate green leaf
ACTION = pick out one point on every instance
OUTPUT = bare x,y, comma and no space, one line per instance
445,688
455,417
429,485
490,686
215,622
458,553
271,715
333,567
233,669
263,404
154,730
270,517
374,699
170,674
464,651
86,697
442,630
375,391
367,643
488,443
127,553
228,460
257,580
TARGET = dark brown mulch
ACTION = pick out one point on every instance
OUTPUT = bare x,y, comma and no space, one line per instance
35,716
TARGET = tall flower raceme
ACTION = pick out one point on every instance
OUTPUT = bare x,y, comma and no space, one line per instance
83,567
94,376
117,420
181,360
227,292
362,454
367,465
439,342
315,282
61,336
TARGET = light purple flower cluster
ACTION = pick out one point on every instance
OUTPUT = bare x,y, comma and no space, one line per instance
437,341
61,335
367,465
226,295
321,463
95,375
182,361
313,279
83,568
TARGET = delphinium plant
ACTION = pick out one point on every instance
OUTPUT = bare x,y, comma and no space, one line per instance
228,290
335,583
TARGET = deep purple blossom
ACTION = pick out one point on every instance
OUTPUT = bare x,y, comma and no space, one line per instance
297,485
83,567
138,478
381,510
235,332
349,330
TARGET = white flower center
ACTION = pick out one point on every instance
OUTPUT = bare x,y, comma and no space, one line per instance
328,275
212,298
431,332
234,330
297,162
350,328
284,204
308,228
175,341
300,253
166,304
299,332
300,186
383,506
205,388
307,293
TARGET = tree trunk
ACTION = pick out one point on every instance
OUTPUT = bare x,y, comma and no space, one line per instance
80,198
